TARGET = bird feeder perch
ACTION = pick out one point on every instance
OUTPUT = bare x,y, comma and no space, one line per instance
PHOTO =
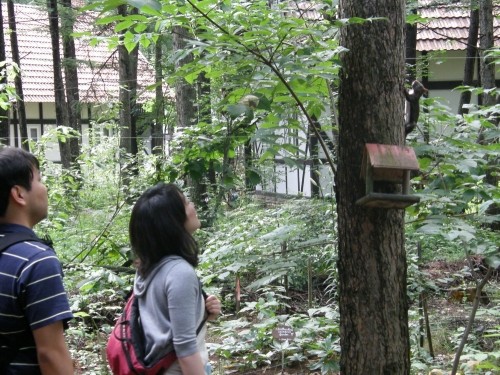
389,163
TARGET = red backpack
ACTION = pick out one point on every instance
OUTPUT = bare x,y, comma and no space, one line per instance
125,348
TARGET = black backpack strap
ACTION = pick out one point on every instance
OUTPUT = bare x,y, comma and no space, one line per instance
205,295
9,239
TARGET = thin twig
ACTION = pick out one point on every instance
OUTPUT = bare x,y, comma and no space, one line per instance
472,316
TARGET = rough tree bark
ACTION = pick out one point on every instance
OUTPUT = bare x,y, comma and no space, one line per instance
470,57
127,96
372,261
411,49
20,107
487,73
487,67
71,77
61,109
187,111
157,146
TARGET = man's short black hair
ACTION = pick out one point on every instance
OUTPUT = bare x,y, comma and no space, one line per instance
16,168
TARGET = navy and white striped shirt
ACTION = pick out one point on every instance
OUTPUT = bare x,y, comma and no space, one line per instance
32,296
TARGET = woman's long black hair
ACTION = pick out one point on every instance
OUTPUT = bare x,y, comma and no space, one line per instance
157,227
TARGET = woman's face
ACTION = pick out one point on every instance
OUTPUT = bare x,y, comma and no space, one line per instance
192,222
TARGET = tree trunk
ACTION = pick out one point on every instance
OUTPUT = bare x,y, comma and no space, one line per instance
185,100
203,88
185,94
314,152
470,57
127,72
372,260
487,73
128,88
61,109
4,123
157,146
20,107
71,77
487,65
411,50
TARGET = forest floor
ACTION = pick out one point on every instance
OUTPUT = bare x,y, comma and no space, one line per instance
448,311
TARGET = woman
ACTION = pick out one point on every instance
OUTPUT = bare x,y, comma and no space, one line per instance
171,300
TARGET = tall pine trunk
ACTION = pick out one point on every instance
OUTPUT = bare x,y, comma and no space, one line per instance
128,91
71,77
487,73
127,72
487,66
61,109
20,107
411,49
187,111
372,260
157,138
470,57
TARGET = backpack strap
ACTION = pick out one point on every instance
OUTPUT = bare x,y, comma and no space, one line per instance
9,239
200,327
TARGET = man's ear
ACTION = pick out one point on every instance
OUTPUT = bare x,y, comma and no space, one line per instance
17,194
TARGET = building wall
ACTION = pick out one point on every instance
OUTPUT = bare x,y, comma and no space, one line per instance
445,73
40,121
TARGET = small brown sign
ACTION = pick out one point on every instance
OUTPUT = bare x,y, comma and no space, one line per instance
283,333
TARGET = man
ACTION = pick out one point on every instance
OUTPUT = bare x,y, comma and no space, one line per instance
34,308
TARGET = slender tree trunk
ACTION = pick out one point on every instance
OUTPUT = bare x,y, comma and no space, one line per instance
187,111
372,260
71,77
470,57
314,152
185,93
127,72
204,115
128,89
20,107
487,73
411,50
487,67
4,121
61,109
157,146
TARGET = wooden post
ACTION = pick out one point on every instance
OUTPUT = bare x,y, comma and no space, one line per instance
420,302
427,326
285,278
237,294
309,283
406,182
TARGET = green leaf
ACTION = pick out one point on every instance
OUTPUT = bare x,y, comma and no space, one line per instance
236,110
265,280
140,4
493,261
124,25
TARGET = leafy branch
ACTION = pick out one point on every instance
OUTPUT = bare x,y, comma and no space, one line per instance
271,64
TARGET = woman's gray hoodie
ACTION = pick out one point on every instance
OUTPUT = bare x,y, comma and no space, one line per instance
171,306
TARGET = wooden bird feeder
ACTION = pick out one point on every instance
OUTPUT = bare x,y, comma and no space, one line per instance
389,163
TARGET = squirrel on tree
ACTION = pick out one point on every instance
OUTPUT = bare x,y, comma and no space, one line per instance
413,109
